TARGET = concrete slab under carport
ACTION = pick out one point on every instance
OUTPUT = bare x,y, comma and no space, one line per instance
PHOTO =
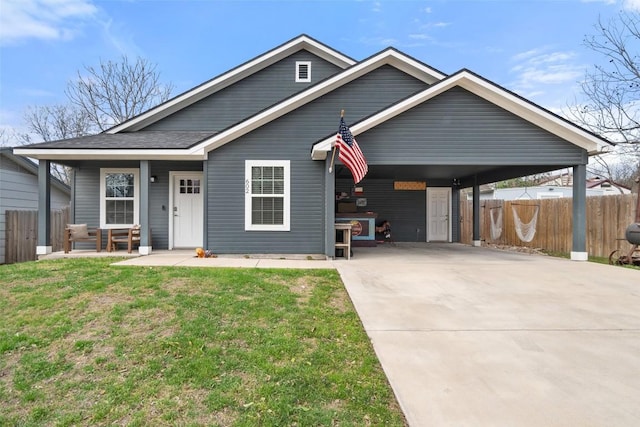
480,337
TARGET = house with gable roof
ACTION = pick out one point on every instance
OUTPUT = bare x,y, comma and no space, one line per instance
243,162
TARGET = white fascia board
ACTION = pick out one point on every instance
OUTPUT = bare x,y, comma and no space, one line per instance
491,93
234,76
105,154
358,70
414,68
326,53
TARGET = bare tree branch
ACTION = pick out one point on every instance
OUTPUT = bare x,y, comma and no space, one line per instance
612,90
117,91
106,96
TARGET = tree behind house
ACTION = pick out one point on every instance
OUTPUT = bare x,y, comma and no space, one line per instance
612,90
99,99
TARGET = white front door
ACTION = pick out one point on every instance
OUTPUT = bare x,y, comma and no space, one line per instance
438,214
186,210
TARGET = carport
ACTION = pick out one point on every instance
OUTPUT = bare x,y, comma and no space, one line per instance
461,132
480,337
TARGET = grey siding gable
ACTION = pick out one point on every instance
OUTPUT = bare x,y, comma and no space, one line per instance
460,128
290,138
248,96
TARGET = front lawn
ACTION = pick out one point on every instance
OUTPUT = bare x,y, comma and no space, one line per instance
86,343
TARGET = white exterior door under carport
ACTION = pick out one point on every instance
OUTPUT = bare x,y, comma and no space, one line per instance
438,214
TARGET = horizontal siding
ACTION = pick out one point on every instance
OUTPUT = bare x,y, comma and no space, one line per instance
225,213
87,203
292,136
247,97
460,128
405,210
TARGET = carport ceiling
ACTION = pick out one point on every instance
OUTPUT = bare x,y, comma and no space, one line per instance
447,173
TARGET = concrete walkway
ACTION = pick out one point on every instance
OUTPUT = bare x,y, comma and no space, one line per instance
480,337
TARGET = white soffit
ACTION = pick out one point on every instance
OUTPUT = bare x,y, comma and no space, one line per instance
106,154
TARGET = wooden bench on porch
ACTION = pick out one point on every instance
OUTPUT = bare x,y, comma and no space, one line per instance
81,233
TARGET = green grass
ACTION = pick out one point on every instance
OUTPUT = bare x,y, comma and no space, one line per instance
598,260
86,343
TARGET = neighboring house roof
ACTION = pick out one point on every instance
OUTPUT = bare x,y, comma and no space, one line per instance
30,166
564,179
598,182
487,90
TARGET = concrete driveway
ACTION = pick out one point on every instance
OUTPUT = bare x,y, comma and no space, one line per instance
479,337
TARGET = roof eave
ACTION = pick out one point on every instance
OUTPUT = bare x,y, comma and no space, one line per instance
111,154
486,90
232,76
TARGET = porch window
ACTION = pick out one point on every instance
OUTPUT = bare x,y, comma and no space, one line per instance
267,195
119,197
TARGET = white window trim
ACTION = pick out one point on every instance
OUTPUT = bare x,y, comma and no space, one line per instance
136,196
300,64
248,225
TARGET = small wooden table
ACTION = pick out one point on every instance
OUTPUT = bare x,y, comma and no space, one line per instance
345,244
130,236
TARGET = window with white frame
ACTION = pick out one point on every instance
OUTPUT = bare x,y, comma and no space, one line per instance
119,197
267,195
303,71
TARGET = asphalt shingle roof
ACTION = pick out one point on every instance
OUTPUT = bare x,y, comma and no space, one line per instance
152,140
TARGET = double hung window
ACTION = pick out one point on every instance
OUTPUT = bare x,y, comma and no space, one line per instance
119,197
267,195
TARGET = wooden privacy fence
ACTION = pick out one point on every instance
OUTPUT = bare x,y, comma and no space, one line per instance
22,234
607,219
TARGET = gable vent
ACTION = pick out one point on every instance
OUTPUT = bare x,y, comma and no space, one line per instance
303,71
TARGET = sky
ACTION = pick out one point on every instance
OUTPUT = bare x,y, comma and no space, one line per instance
532,47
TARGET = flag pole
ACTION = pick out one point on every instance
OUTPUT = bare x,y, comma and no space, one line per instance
333,154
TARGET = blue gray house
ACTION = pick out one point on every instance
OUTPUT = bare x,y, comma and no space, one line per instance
241,163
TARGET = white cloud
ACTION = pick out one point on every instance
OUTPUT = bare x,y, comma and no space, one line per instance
42,19
631,5
540,66
379,41
542,73
420,36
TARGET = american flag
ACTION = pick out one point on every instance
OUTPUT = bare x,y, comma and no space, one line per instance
350,154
